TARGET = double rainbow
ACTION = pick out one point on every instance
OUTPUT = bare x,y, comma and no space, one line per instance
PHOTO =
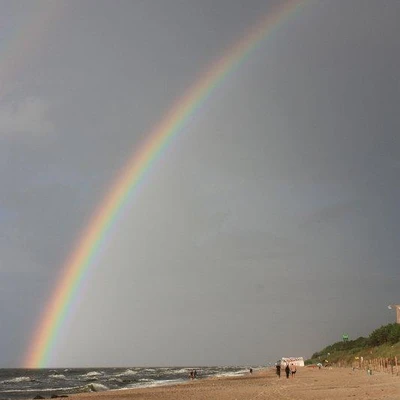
78,265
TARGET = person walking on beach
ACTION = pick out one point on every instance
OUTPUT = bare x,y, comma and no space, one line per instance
278,369
293,369
287,370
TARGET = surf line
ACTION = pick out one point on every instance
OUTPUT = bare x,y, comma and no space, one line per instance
80,261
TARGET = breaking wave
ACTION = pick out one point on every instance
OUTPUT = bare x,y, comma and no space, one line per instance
153,383
128,372
57,376
91,374
95,387
18,379
74,388
233,373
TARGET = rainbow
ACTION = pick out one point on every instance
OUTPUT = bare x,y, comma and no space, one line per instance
81,260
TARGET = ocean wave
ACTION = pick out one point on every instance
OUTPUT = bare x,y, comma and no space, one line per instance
128,372
90,379
183,371
154,383
57,389
114,379
91,374
95,387
57,376
233,373
18,379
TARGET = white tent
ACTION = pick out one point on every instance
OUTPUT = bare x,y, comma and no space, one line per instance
297,361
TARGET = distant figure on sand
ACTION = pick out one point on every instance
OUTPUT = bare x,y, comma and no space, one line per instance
293,369
287,370
278,369
251,370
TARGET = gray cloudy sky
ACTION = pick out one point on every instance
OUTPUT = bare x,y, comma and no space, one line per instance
269,227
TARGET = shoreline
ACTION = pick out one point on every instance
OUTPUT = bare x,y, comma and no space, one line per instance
309,383
173,382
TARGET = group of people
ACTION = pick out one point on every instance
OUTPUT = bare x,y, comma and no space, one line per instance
289,369
193,374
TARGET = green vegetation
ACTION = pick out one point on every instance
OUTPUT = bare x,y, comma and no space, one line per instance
385,334
382,342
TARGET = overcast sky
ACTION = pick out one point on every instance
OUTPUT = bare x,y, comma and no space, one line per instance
268,228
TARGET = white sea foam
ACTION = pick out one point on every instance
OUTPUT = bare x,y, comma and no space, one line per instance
57,376
151,383
234,373
113,379
128,372
183,371
42,390
18,379
96,387
91,374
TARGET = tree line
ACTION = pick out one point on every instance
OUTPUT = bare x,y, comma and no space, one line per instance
387,334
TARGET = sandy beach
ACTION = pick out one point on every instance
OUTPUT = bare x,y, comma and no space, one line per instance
310,384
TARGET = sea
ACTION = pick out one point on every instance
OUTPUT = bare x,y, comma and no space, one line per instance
61,382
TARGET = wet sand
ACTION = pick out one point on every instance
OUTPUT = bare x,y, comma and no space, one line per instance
309,383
